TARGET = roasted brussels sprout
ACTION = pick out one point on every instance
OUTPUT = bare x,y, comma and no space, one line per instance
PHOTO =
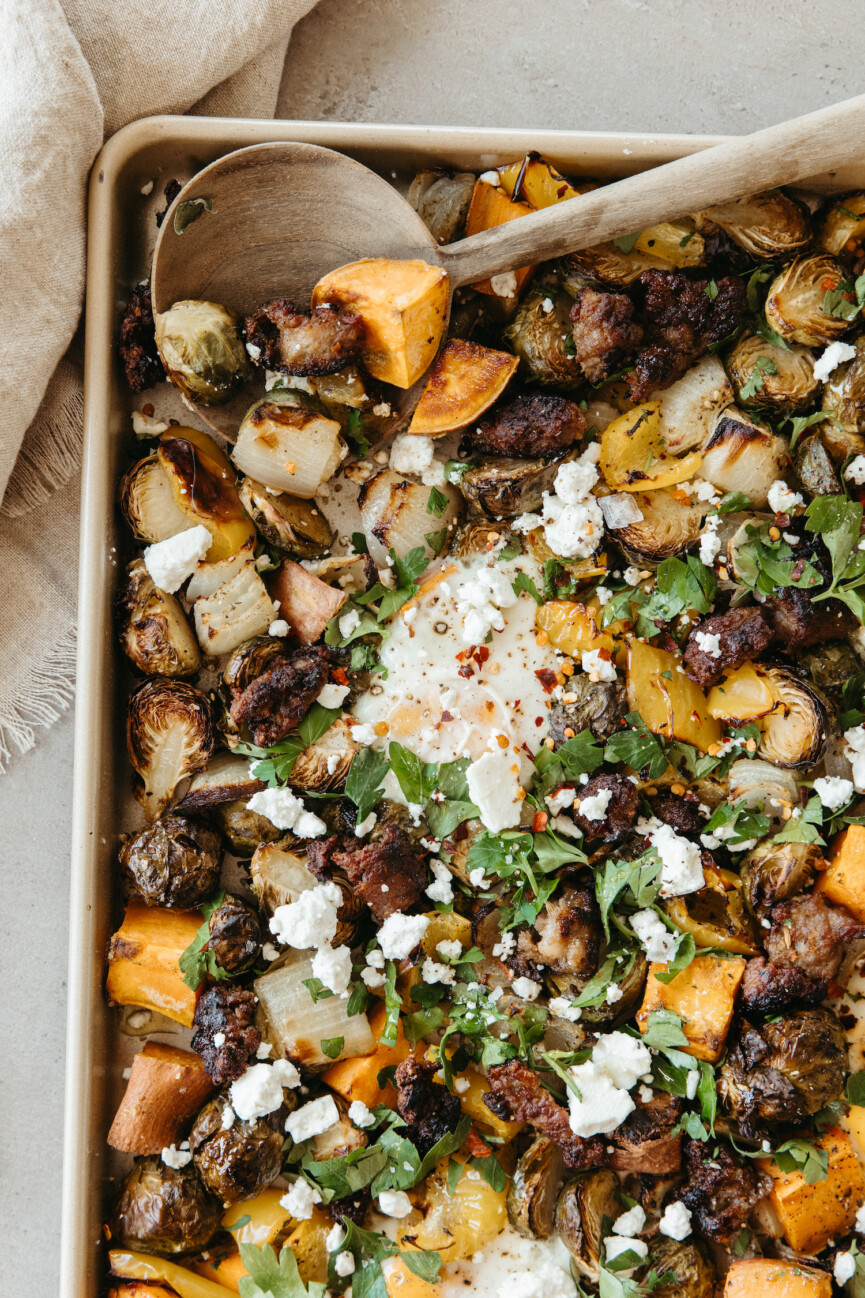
534,1189
164,1210
760,786
505,487
843,223
765,225
599,706
235,935
844,398
236,1161
631,987
441,200
200,346
794,305
672,244
785,1071
338,1141
775,872
353,399
830,666
478,536
586,1199
280,874
794,734
294,526
174,862
669,525
815,466
690,1263
244,830
148,502
774,378
743,455
154,632
250,660
538,334
169,736
323,766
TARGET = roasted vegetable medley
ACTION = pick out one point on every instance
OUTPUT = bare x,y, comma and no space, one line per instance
501,768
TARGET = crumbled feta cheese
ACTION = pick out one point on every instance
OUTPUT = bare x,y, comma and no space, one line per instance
692,1081
400,934
506,946
278,627
263,1050
344,1264
170,562
450,950
844,1268
631,575
364,733
833,791
658,944
603,595
855,471
594,663
504,284
781,499
442,889
375,958
854,742
259,1090
834,355
681,867
616,1245
710,543
547,305
614,993
365,826
360,1115
622,1058
630,1222
573,531
177,1158
433,972
309,921
372,978
333,966
312,1119
704,490
286,811
595,807
562,798
349,622
617,1063
676,1221
219,1039
709,643
228,1117
333,696
563,1009
147,425
335,1238
476,877
490,178
494,787
526,988
269,951
394,1203
415,454
575,479
300,1199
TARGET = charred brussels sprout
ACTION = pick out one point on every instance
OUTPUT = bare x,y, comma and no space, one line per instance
235,935
534,1188
174,862
291,525
631,987
441,200
244,830
775,872
786,1071
830,666
794,734
169,736
599,706
237,1161
154,632
843,222
586,1199
504,487
844,395
669,245
164,1210
774,378
479,536
765,225
691,1265
539,336
669,525
200,346
794,305
815,466
250,660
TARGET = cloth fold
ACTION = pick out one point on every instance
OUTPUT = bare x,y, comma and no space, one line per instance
72,74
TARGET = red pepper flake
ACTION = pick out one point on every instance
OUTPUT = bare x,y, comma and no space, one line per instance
461,656
466,671
696,718
539,721
339,676
829,283
539,822
548,679
446,716
480,655
478,1148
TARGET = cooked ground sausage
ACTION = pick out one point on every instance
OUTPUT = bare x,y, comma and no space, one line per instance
292,342
229,1011
566,936
681,811
798,623
811,934
605,334
647,1141
773,988
720,1191
388,874
682,318
742,634
137,341
517,1094
621,811
429,1108
170,192
533,424
280,697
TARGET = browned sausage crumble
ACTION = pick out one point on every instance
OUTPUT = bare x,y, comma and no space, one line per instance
518,1095
605,334
533,424
281,338
742,634
137,342
281,696
229,1011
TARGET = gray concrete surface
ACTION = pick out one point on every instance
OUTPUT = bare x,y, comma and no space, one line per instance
674,65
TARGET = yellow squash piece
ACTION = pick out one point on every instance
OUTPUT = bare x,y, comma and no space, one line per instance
308,1243
670,704
534,181
457,1225
763,1277
143,956
464,381
633,454
141,1266
574,627
403,305
261,1218
491,206
744,695
844,881
811,1215
716,915
204,491
703,996
676,242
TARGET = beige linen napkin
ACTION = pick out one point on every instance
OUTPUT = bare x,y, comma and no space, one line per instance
70,75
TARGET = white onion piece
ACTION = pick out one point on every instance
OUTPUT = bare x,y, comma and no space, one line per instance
690,407
240,609
395,516
297,1023
620,510
760,786
836,761
208,577
742,456
295,456
600,413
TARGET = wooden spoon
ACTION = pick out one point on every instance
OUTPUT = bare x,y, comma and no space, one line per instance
285,214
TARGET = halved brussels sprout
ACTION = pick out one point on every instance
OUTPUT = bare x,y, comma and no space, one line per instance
169,736
225,779
670,245
743,455
278,876
539,335
148,502
815,466
291,525
669,525
505,487
794,734
478,536
631,987
774,872
586,1199
285,444
338,1141
238,1160
690,1264
251,659
200,347
765,225
357,403
441,200
205,493
534,1189
243,829
174,862
844,398
794,305
790,386
235,935
599,706
760,786
830,666
154,632
716,915
843,224
323,766
164,1210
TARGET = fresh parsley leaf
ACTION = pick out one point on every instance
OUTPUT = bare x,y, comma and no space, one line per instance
316,723
364,782
317,990
559,581
332,1046
664,1028
196,963
358,442
634,881
359,543
269,1277
732,501
454,469
802,1156
801,422
711,290
741,1242
436,540
855,1089
627,242
579,755
510,551
686,950
841,301
392,1004
802,825
405,571
437,502
755,382
637,747
523,582
490,1170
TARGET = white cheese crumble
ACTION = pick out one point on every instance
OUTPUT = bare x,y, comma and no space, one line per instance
572,519
334,1238
177,1158
494,787
562,798
658,944
170,562
442,887
692,1081
228,1117
834,355
595,807
854,742
360,1115
855,471
309,921
365,826
450,950
844,1268
833,791
504,284
300,1199
709,643
480,601
364,733
631,575
263,1050
477,876
617,1063
781,499
333,696
615,1245
563,1009
285,811
333,966
147,425
349,622
526,988
278,627
860,1221
630,1222
433,972
681,867
344,1264
394,1203
506,946
312,1119
400,934
415,454
259,1091
597,666
676,1221
614,993
710,542
603,594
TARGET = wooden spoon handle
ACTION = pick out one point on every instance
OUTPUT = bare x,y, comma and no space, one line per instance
806,146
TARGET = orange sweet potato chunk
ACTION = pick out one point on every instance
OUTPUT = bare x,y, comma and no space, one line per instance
464,382
143,959
491,206
811,1215
703,996
844,881
763,1277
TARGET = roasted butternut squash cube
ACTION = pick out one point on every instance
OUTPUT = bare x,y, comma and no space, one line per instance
811,1215
763,1277
403,305
844,881
744,695
854,1125
703,996
634,456
670,704
492,206
357,1078
143,959
464,381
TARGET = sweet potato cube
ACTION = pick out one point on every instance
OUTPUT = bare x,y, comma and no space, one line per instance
703,996
305,601
357,1078
811,1215
844,881
404,308
464,381
491,206
143,956
763,1277
166,1089
670,704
